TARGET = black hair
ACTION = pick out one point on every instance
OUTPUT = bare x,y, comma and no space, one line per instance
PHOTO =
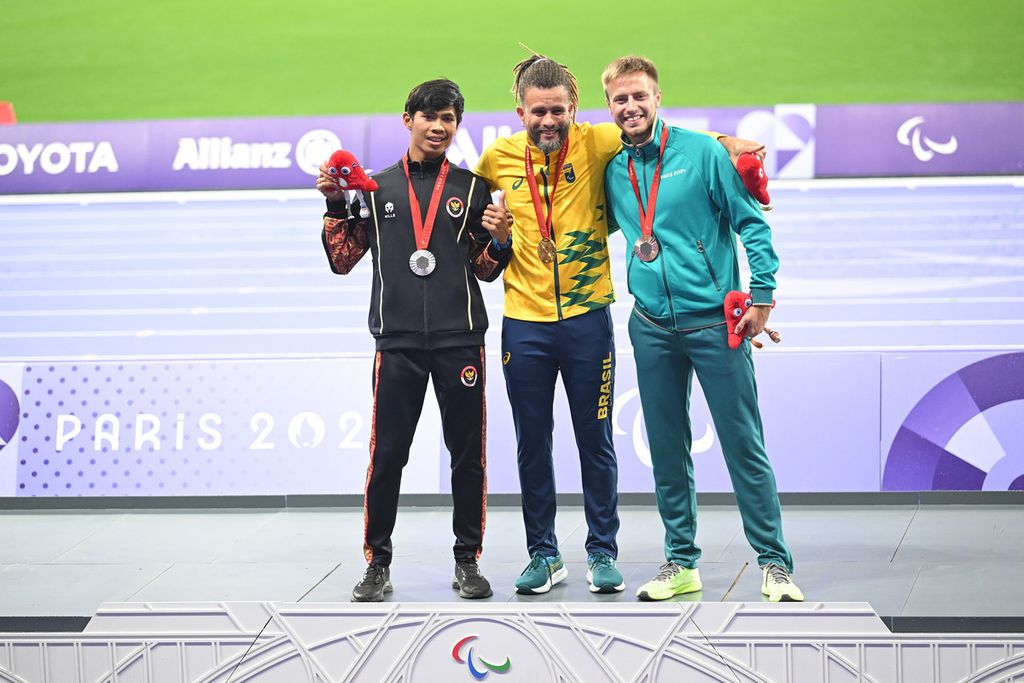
433,96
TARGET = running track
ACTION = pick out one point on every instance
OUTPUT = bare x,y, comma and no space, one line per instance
894,264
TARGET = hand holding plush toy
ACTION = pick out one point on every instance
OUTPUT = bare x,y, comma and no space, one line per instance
345,173
736,305
751,170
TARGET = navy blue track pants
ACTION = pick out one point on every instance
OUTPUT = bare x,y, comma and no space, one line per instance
582,349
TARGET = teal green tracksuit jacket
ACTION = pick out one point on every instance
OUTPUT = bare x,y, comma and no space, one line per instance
677,329
702,206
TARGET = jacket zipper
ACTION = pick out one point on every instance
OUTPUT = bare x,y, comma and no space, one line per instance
423,281
707,262
664,272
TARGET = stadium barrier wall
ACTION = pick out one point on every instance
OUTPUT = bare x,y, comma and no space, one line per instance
803,141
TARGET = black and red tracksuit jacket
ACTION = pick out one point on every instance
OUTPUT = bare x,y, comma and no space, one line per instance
444,309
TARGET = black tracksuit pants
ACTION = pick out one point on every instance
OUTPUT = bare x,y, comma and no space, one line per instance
399,386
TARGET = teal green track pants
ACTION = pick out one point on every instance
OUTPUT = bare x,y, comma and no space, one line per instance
665,362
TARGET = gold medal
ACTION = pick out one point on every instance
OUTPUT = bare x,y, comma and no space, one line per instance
546,247
546,250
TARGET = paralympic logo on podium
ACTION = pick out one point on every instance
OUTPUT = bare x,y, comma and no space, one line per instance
478,674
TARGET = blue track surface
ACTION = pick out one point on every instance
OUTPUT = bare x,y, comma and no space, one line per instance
862,267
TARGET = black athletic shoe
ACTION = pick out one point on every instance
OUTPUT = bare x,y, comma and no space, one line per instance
470,582
374,584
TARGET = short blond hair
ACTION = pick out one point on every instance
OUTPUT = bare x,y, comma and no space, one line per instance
627,65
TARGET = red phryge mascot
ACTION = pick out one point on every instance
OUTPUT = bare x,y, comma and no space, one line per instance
348,173
736,304
751,170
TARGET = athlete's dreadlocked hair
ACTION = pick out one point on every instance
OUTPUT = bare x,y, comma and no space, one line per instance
538,71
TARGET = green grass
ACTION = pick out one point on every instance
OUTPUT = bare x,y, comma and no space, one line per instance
114,59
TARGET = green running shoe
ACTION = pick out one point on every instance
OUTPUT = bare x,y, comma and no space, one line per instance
777,584
541,574
672,579
602,574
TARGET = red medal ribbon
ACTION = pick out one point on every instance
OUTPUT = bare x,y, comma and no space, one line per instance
544,218
423,231
647,218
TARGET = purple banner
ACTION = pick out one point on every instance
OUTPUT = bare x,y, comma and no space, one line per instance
883,421
172,155
824,440
803,141
920,139
74,157
244,153
951,421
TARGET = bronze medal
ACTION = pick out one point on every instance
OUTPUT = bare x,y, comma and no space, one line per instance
647,248
422,262
546,250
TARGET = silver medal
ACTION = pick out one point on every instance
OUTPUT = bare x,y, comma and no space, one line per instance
422,262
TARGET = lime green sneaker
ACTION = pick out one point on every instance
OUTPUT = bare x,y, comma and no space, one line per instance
602,574
672,579
777,584
541,574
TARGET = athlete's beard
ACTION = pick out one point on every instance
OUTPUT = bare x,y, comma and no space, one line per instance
552,146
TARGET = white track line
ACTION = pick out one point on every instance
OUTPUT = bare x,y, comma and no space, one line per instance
190,357
903,301
177,291
161,272
999,322
160,255
195,310
333,354
150,333
908,182
312,194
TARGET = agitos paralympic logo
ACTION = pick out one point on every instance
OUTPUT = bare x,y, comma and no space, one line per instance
478,674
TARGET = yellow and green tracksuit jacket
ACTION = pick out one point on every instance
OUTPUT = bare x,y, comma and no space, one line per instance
580,278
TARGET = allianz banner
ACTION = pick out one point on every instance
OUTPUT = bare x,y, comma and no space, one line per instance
209,154
803,141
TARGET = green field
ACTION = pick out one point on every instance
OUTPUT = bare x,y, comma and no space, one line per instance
115,59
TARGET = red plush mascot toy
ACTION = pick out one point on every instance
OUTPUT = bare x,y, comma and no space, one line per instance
349,175
736,304
751,170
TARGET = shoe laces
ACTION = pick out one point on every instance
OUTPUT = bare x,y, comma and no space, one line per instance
600,560
373,573
536,562
667,571
777,573
469,569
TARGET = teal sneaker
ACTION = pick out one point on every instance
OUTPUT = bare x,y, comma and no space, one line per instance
672,579
541,574
602,574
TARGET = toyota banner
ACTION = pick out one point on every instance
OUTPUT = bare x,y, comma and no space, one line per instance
803,141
